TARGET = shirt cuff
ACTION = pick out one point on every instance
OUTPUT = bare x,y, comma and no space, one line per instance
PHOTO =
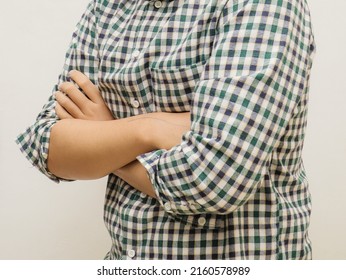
37,151
165,196
178,209
150,161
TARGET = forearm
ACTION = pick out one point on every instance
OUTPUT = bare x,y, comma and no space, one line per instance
136,175
81,149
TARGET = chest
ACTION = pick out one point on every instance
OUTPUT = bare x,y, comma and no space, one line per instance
151,59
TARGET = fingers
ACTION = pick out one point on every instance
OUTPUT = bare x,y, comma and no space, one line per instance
87,86
74,94
61,112
68,105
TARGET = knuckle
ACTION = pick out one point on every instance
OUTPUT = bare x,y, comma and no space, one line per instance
58,96
70,88
64,102
83,83
67,87
62,85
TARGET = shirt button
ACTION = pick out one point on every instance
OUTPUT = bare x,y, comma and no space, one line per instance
136,53
131,253
135,103
143,195
157,4
168,206
202,221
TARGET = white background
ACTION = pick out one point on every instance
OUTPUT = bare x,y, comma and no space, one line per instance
42,220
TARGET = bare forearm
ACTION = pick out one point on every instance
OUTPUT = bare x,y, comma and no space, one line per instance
81,149
136,175
88,144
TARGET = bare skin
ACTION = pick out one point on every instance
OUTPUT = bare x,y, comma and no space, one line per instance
88,143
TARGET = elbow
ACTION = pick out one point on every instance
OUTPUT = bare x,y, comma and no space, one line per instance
221,197
66,159
55,157
54,165
55,168
52,162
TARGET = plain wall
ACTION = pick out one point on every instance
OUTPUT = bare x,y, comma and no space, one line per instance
43,220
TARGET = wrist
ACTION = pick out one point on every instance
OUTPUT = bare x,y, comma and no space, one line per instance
144,130
148,132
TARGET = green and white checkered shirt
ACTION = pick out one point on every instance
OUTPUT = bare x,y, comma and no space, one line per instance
236,187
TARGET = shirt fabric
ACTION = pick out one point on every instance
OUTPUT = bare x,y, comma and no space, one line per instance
236,187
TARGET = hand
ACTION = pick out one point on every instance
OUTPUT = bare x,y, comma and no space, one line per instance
167,129
74,104
164,132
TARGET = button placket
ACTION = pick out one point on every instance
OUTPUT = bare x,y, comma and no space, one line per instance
202,221
136,53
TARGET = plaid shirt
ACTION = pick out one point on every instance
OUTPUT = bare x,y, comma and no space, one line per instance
236,187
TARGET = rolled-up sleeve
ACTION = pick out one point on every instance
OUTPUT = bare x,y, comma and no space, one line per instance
82,55
246,95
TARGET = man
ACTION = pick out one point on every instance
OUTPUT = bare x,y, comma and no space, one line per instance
225,181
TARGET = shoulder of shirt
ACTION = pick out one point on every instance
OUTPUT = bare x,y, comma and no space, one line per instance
233,8
99,6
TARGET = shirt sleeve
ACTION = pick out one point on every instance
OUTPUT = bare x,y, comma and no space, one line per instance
82,55
241,106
